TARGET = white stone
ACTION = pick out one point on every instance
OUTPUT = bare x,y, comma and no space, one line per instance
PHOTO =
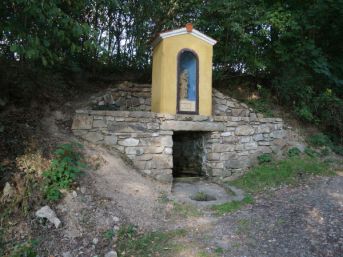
7,193
129,142
111,254
46,212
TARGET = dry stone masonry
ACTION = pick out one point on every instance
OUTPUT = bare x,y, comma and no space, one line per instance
231,139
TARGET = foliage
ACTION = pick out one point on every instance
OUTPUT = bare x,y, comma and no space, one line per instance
291,48
319,140
132,243
26,249
294,151
64,169
264,158
322,140
270,175
202,196
109,234
233,205
310,152
185,210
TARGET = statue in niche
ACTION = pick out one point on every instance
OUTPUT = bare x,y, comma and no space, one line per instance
184,84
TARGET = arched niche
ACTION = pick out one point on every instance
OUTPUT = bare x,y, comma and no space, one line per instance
188,82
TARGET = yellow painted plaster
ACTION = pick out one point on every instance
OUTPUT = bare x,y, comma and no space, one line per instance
164,73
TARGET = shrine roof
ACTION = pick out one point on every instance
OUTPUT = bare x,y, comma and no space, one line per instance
182,31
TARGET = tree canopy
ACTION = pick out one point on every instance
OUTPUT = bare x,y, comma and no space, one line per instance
291,47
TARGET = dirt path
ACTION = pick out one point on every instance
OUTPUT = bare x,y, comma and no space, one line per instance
304,221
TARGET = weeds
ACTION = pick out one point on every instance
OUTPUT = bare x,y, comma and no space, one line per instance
109,234
64,169
132,243
322,140
233,205
26,249
264,158
185,210
293,152
201,196
287,171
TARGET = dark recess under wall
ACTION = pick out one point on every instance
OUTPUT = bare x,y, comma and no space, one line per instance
188,153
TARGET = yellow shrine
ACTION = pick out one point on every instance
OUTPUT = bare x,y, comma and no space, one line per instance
182,72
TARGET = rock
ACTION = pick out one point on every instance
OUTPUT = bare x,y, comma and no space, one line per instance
74,194
95,241
244,130
66,254
7,193
129,142
111,254
101,103
82,121
192,126
115,219
83,190
108,99
46,212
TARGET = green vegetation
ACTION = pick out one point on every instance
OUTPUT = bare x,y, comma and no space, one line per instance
291,49
322,140
109,234
132,243
26,249
64,169
185,210
201,196
233,205
264,158
270,175
294,151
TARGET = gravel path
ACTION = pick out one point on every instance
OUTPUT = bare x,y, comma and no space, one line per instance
305,221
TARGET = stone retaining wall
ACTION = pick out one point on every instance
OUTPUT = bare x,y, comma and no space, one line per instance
232,145
137,97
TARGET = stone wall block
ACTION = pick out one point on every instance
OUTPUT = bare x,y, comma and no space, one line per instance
220,148
162,161
82,121
110,140
213,156
134,150
99,123
94,137
129,142
244,130
154,149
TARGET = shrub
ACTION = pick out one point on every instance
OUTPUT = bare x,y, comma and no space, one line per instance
310,152
264,158
294,151
64,169
318,140
26,249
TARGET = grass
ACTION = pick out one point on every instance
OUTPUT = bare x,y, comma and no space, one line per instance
232,206
131,243
271,175
185,210
202,197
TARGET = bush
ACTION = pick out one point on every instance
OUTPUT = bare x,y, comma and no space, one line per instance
64,169
319,140
264,158
293,152
26,249
310,152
